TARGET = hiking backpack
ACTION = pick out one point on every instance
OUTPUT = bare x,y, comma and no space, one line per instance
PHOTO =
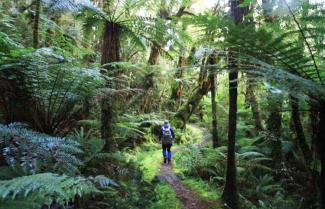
166,135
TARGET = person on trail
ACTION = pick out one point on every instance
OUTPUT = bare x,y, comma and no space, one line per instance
166,137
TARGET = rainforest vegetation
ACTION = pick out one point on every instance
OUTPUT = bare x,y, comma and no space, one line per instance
86,85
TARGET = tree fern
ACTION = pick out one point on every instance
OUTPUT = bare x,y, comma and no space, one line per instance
35,152
34,190
64,88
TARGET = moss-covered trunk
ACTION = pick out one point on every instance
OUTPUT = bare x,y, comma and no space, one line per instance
213,88
178,84
185,112
253,104
154,54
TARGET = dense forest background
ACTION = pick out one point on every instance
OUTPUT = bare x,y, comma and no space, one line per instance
85,86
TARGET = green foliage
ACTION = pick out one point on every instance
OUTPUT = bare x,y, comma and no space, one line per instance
203,189
165,198
33,152
149,163
50,84
38,189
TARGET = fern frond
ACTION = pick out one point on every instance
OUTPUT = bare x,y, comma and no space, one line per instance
44,187
31,150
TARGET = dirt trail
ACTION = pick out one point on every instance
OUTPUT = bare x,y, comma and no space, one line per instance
188,198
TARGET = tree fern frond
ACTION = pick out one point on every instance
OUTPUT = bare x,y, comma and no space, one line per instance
71,5
31,150
45,186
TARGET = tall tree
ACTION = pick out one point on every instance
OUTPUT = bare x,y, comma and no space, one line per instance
300,135
230,192
274,125
321,150
253,104
212,61
36,23
275,103
110,53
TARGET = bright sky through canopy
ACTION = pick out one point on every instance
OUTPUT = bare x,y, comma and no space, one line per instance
203,5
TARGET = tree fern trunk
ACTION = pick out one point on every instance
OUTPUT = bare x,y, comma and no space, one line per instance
274,126
230,193
36,23
154,54
110,53
313,123
111,43
321,149
301,139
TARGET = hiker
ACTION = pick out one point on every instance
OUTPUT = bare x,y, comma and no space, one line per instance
166,137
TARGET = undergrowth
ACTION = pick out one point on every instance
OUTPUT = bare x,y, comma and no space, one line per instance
165,197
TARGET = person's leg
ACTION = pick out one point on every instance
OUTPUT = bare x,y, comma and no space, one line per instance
164,148
169,155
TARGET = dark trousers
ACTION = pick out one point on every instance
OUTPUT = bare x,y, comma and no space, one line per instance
166,151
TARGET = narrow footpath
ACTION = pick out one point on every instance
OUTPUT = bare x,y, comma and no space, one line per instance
188,198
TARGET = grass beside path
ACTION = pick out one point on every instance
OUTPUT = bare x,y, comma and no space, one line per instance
203,190
165,198
150,163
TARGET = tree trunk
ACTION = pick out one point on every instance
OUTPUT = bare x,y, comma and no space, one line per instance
50,32
153,60
274,126
301,139
321,150
230,193
252,102
36,24
313,120
185,112
154,54
110,53
212,80
111,43
177,89
106,128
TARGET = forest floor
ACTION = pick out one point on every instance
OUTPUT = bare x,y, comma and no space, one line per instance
188,198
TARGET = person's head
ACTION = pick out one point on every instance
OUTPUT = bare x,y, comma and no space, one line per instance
166,124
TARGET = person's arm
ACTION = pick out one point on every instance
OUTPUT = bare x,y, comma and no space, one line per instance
172,132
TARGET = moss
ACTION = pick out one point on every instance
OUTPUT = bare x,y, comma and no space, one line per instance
204,191
149,163
165,198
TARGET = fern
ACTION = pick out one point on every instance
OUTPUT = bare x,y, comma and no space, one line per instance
35,190
35,152
50,84
71,6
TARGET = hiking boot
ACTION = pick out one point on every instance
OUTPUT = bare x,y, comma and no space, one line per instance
169,161
165,160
